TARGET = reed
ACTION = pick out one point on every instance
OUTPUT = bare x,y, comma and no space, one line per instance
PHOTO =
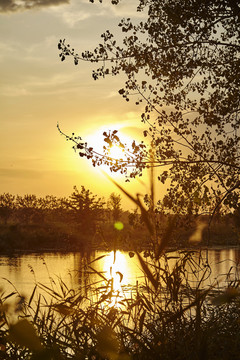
169,315
165,317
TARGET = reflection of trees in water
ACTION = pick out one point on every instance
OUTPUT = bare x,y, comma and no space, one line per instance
237,256
81,271
224,265
212,266
13,261
217,259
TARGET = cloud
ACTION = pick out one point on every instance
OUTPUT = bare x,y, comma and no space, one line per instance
7,6
76,12
125,8
71,18
13,91
80,10
20,173
6,49
38,85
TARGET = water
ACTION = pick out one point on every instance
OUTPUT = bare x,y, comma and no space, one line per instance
23,271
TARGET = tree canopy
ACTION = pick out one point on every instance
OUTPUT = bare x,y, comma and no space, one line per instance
182,62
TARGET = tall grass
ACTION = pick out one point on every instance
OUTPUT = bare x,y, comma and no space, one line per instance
169,319
169,315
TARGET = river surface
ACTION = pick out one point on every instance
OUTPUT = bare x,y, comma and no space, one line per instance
23,271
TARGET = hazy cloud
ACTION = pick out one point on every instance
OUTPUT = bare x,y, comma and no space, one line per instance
80,10
124,8
21,5
77,12
37,85
20,173
72,16
13,91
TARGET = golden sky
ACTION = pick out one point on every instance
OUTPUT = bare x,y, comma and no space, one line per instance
37,90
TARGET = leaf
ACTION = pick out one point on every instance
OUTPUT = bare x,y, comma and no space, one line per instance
107,343
9,295
63,309
137,201
24,334
147,271
37,309
120,274
107,140
30,300
227,297
141,321
80,146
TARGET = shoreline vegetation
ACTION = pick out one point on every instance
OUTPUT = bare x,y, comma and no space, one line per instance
83,221
16,238
167,316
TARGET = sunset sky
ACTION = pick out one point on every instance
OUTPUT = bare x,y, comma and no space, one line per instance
37,90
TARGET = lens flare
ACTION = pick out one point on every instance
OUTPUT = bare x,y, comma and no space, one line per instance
118,225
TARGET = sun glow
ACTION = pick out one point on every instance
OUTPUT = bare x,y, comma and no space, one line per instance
120,272
112,153
116,152
114,267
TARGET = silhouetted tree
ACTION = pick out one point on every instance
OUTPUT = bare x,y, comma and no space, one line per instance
53,208
182,66
7,206
114,205
28,209
134,218
87,208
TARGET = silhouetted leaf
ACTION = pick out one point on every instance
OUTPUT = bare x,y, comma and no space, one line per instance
24,334
147,271
120,274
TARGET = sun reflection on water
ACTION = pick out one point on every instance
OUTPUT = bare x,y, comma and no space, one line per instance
120,273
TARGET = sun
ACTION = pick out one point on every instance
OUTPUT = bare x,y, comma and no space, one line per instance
116,152
113,155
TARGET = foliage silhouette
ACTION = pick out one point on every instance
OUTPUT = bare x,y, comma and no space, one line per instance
88,209
114,205
6,206
181,61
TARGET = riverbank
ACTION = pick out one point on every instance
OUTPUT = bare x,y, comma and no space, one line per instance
70,237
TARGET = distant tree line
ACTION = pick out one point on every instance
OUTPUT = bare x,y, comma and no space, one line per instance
79,221
81,207
85,219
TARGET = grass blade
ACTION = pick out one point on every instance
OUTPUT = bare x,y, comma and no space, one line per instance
147,271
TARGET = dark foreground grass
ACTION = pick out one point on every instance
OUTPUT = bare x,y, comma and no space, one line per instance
167,316
170,315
